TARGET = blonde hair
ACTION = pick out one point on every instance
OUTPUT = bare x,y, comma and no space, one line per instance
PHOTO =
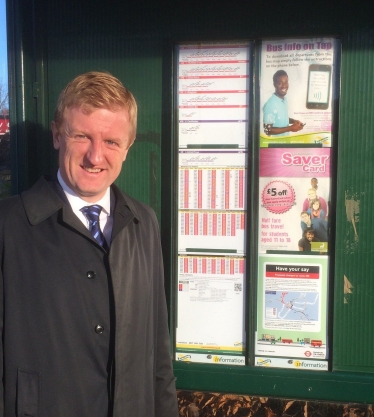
97,90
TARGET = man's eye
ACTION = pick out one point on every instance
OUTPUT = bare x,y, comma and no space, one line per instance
110,142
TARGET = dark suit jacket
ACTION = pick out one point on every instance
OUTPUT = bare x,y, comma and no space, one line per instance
58,284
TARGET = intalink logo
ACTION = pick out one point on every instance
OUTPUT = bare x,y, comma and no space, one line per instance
264,362
184,358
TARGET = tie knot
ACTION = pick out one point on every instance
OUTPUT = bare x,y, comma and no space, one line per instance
92,212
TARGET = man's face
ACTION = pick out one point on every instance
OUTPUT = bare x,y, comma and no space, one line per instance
305,217
281,86
91,148
314,183
309,236
312,195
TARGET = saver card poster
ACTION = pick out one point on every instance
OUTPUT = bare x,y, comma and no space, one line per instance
294,190
296,91
292,309
210,320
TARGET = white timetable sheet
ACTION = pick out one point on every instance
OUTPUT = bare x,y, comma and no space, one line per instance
213,99
211,232
213,91
212,180
211,298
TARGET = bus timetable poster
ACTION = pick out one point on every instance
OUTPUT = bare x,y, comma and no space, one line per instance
213,104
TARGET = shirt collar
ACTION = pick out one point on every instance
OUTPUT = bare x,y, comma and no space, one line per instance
77,203
284,99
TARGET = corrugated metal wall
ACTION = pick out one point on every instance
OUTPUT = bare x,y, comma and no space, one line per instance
353,322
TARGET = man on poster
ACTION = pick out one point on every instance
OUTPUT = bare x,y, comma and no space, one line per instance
305,243
319,226
83,313
276,119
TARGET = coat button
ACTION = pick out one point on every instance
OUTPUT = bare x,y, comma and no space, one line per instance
99,329
91,274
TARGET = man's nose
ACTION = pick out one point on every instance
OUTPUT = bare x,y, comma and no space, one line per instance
95,152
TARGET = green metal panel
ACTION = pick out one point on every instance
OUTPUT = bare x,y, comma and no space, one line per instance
353,323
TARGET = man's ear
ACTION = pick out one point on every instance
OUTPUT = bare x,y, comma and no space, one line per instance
55,135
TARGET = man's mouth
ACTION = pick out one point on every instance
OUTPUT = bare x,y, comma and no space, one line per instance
92,170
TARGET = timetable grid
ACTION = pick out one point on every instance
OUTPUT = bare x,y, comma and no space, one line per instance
214,189
211,265
211,223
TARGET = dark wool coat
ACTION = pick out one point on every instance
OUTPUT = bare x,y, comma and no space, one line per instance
58,285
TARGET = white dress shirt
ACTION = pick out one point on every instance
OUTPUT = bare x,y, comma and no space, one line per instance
76,203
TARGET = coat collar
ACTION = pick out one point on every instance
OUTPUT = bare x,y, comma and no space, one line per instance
46,198
41,202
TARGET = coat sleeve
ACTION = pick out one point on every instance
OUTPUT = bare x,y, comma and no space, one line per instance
165,393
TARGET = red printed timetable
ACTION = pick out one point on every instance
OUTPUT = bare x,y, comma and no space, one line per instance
211,265
213,103
212,180
213,95
210,291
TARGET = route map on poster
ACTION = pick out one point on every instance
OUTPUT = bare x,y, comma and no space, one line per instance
213,105
296,91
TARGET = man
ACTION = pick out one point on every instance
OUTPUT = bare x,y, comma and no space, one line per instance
312,195
319,226
305,242
84,320
276,120
314,183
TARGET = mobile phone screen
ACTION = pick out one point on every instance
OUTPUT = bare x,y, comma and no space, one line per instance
319,86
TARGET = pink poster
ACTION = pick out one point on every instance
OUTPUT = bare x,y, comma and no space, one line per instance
294,190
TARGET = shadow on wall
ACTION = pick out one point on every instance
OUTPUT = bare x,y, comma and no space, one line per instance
201,404
5,165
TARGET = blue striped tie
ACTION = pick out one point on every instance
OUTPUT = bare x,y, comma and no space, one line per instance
93,216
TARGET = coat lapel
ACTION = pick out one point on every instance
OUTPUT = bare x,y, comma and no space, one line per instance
124,212
44,199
